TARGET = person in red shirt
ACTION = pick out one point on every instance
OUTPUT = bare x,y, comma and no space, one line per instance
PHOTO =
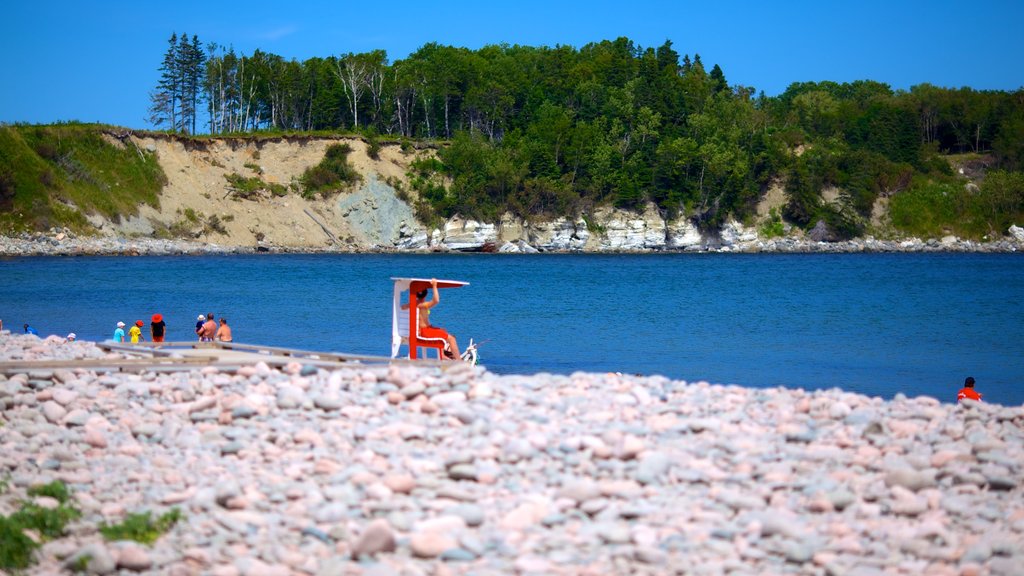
967,392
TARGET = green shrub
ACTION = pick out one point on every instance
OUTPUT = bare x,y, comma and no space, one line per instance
56,490
332,174
141,527
213,224
927,208
16,548
774,227
248,188
373,146
50,522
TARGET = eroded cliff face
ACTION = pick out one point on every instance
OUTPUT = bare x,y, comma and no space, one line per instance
199,204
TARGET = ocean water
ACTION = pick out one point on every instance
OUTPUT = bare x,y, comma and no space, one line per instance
878,324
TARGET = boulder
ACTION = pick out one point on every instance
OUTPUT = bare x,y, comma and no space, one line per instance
734,233
511,229
410,238
559,234
468,235
682,234
517,247
1017,232
627,230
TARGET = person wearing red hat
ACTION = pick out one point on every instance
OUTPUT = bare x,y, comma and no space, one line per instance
135,332
157,328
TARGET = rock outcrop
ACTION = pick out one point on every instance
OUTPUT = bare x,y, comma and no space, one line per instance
559,234
469,235
375,215
624,230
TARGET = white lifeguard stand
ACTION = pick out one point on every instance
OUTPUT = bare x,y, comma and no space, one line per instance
405,323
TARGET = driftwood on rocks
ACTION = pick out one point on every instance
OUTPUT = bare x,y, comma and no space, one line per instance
334,240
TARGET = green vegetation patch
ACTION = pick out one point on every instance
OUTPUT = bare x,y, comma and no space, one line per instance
333,174
53,175
249,188
142,527
931,206
192,224
17,547
773,227
56,490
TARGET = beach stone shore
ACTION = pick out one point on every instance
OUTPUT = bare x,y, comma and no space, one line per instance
63,242
376,469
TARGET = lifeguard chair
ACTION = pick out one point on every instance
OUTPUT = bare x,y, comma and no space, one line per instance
405,324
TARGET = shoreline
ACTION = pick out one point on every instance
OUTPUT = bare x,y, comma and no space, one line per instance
405,469
63,244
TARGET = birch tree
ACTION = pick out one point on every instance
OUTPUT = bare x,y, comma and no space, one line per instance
354,73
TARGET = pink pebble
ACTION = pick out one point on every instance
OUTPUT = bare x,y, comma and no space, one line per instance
95,438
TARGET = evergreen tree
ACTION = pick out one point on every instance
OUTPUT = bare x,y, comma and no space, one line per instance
163,101
194,73
717,78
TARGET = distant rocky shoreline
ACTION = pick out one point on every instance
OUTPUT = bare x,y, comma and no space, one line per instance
64,243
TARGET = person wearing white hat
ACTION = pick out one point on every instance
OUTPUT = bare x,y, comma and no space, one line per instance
200,320
119,333
71,337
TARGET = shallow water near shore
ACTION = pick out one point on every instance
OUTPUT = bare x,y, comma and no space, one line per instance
877,324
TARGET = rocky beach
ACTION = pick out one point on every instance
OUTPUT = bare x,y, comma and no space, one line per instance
62,242
378,469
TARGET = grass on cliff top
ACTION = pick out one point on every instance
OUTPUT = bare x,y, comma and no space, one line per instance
53,175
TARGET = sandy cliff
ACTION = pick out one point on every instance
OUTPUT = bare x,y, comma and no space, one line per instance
198,204
367,216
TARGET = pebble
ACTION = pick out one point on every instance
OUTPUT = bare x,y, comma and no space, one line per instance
431,544
911,479
97,559
328,403
95,437
463,472
134,558
53,412
376,538
472,514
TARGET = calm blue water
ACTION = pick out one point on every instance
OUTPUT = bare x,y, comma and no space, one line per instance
871,323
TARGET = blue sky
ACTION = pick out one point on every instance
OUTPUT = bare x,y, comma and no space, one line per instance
97,61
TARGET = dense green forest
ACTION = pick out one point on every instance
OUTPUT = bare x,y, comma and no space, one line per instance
549,131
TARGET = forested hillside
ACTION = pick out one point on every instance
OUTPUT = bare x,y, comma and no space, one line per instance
550,131
544,131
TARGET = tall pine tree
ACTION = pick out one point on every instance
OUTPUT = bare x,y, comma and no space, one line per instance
163,100
174,102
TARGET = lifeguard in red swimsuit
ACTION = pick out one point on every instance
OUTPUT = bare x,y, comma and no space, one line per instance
428,331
